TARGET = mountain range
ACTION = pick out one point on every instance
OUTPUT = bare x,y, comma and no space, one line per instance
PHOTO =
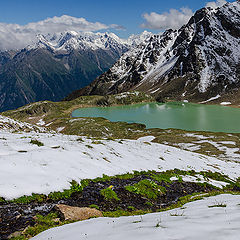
198,62
56,65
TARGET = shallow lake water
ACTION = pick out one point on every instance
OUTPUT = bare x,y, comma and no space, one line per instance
179,115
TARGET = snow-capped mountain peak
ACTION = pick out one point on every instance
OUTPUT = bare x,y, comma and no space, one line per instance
70,40
136,39
199,61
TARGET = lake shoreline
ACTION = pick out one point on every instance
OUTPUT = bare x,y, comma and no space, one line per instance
154,101
178,115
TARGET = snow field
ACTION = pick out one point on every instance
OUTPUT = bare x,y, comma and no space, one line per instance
27,168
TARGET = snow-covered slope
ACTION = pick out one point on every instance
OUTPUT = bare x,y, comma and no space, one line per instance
199,61
10,125
196,220
27,168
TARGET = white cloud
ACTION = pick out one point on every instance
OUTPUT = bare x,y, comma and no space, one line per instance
216,4
14,36
173,19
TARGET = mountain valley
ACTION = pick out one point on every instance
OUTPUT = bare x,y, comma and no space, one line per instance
110,138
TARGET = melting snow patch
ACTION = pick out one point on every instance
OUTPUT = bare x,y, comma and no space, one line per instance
41,122
154,91
195,135
146,139
200,179
60,129
211,99
9,124
225,103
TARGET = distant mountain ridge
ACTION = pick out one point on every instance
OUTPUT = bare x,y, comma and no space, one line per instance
80,40
197,62
56,65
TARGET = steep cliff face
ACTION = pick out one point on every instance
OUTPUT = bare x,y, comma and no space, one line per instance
55,66
199,61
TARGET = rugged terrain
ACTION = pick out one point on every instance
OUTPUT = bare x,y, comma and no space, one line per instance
198,62
41,168
118,168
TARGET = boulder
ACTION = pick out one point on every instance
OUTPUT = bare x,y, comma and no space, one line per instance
70,213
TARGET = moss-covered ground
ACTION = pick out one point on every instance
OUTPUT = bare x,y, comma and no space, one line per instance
128,194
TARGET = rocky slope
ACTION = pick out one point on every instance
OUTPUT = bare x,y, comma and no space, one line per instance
55,66
197,62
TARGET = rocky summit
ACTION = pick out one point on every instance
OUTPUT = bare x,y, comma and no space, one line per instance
198,62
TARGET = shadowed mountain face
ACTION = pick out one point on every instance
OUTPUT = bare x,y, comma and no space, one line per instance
197,62
56,66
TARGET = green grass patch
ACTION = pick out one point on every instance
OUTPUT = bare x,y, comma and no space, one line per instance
43,223
146,188
150,188
120,213
104,178
125,176
36,142
216,176
163,177
109,194
131,208
28,199
75,187
94,206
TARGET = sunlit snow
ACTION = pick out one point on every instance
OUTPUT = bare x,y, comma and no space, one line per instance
206,219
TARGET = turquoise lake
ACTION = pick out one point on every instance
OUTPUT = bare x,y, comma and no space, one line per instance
187,116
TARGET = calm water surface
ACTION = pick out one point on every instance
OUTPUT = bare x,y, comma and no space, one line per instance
187,116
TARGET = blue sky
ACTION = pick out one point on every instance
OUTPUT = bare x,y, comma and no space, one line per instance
127,13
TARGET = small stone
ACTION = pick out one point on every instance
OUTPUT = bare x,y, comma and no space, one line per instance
69,213
14,235
25,230
18,216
